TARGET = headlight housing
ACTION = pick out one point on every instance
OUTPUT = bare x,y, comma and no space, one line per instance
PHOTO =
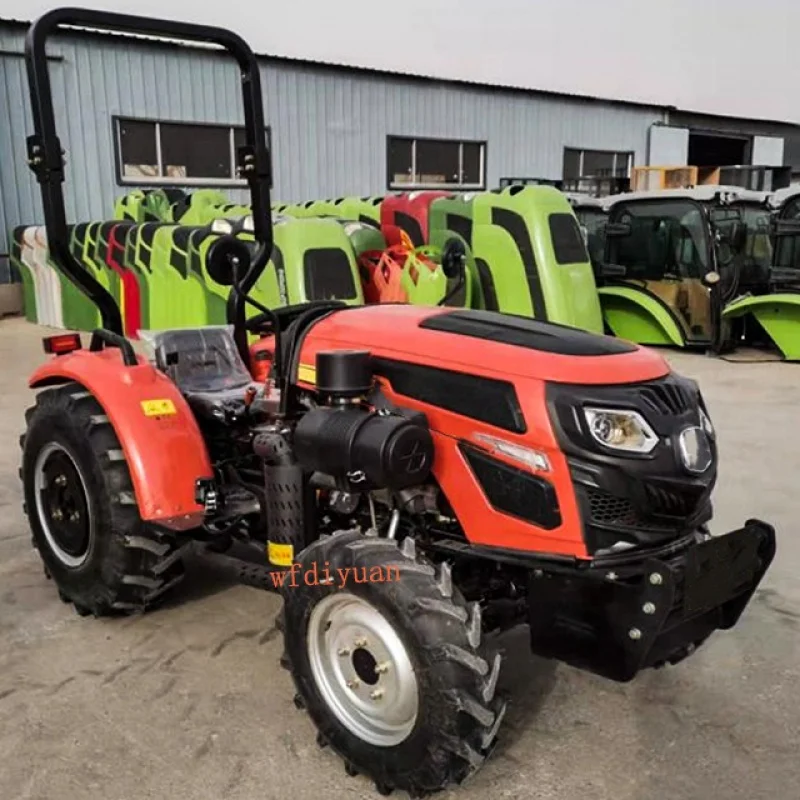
620,429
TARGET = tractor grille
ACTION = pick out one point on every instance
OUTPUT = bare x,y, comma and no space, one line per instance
665,397
606,509
673,504
665,509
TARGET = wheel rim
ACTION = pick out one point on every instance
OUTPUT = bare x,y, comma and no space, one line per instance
62,505
362,669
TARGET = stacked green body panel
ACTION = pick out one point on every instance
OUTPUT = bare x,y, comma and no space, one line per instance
199,207
25,273
129,207
79,312
97,255
363,237
97,268
361,209
535,257
265,290
158,204
313,260
292,210
138,258
452,217
177,297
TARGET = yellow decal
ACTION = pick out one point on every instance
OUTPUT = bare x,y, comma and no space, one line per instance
281,555
306,373
158,408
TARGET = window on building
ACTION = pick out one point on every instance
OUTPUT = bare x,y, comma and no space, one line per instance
435,163
178,153
596,163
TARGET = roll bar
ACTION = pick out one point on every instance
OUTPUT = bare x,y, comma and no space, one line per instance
46,156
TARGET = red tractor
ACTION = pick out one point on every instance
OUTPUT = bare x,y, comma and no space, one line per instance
409,478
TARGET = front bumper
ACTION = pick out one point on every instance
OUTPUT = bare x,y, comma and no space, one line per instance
615,619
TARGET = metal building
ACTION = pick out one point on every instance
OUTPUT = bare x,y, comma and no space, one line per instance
135,112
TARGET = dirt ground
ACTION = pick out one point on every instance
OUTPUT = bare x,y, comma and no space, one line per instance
189,702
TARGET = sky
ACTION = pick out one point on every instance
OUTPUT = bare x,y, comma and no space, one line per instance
730,57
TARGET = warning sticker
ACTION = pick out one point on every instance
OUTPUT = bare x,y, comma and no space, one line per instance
158,408
307,373
281,555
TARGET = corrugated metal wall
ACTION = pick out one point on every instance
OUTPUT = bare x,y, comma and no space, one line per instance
329,127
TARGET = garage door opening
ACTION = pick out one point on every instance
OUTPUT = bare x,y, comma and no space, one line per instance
710,150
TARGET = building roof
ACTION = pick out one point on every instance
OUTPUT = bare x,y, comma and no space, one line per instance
352,69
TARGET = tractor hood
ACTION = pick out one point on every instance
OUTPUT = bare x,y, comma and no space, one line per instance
481,343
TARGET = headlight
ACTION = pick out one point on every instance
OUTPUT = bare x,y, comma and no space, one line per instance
620,429
705,424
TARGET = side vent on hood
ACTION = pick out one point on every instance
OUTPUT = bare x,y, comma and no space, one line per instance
488,400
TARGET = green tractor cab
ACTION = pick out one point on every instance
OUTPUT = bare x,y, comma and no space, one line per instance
527,242
675,258
773,304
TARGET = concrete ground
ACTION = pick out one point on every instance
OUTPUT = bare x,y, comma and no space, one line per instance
189,702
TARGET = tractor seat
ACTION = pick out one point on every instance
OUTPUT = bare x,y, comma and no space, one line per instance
206,367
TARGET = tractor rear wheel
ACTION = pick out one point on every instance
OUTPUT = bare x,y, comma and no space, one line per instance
387,659
81,505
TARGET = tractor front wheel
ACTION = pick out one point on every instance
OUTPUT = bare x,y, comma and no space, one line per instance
387,659
82,509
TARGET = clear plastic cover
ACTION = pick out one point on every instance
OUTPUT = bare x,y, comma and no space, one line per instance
198,359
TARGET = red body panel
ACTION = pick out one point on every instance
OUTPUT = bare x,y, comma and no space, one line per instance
394,332
165,453
130,286
413,204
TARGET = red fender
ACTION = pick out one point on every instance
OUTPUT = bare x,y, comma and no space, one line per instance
159,435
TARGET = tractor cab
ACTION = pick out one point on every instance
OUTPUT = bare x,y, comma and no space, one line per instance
785,229
770,305
673,258
592,216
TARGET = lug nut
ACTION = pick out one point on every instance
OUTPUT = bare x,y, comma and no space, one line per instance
376,695
635,634
362,642
57,515
656,579
649,608
345,651
61,480
354,684
382,668
74,516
